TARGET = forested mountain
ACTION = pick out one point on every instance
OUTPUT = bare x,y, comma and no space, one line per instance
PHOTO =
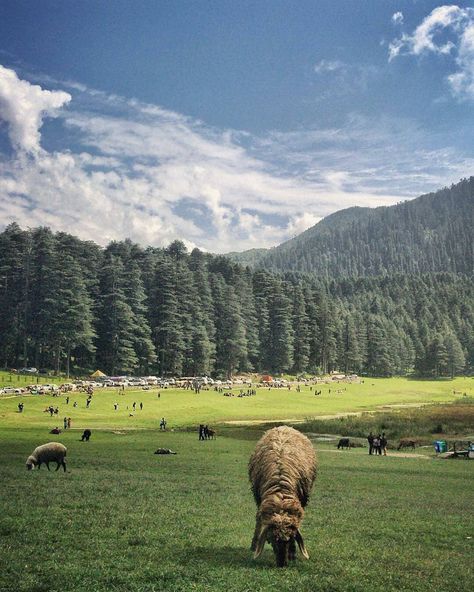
127,309
433,233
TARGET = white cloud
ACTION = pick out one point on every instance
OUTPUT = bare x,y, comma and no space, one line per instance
23,106
137,170
447,30
329,66
397,18
302,222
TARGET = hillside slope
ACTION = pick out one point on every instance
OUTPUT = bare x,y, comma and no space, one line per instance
432,233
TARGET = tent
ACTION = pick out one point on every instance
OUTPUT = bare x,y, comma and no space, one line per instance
98,374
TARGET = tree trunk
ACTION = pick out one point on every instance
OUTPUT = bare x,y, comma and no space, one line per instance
68,360
58,358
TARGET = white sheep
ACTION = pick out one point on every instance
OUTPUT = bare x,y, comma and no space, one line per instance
51,452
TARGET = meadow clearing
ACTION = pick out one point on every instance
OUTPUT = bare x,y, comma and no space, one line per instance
123,518
183,408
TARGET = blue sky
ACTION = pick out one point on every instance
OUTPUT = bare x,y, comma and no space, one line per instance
229,125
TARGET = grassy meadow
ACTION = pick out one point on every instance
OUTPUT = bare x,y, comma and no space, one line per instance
183,408
124,519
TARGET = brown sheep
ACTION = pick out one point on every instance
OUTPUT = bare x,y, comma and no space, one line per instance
282,470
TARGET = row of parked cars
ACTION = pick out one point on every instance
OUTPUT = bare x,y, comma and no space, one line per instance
31,388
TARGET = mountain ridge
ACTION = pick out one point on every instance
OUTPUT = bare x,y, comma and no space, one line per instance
431,233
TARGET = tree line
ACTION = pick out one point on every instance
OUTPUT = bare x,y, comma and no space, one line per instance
68,304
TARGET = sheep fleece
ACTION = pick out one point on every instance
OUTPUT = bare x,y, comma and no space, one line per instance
282,467
51,452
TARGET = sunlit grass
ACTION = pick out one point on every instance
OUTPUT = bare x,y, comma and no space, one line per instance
183,408
123,518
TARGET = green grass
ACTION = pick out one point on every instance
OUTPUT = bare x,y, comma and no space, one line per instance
183,408
122,518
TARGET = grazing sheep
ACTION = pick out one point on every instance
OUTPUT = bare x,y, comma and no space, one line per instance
51,452
282,470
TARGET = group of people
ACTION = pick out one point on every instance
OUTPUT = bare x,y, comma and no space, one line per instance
377,444
52,410
205,432
242,393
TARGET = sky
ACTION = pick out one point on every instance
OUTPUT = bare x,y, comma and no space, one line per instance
228,125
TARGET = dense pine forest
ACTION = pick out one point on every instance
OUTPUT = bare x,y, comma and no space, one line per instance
432,233
70,305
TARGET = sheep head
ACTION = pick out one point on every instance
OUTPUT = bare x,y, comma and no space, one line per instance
31,462
280,527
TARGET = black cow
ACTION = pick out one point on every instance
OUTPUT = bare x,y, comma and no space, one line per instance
344,443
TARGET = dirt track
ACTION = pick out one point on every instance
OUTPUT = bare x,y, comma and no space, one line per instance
397,455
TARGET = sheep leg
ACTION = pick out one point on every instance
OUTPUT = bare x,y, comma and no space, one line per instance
64,465
292,550
58,464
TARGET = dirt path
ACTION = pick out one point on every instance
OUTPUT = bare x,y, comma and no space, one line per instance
378,409
398,455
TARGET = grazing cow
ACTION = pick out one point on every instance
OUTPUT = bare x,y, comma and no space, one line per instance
211,434
407,443
344,443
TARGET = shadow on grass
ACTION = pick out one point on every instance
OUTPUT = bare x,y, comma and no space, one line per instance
237,557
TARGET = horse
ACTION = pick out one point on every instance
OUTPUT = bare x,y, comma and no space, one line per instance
407,443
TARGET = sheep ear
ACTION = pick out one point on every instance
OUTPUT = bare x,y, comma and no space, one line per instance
260,542
299,540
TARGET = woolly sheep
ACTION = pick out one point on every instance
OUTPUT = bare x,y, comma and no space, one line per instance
51,452
282,470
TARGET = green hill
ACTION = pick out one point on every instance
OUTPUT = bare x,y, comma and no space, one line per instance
432,233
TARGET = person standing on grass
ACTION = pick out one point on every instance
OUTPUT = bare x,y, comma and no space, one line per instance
376,445
141,406
370,440
383,443
68,423
163,424
65,423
